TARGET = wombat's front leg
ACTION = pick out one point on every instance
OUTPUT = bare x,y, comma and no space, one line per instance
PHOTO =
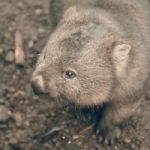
112,115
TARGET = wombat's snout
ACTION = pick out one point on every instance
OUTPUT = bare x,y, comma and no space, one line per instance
37,85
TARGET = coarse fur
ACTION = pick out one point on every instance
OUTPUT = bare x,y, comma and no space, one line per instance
106,43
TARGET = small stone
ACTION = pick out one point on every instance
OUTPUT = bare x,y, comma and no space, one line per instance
18,118
14,144
75,137
10,57
133,146
35,37
8,35
1,51
63,137
116,147
27,123
19,94
30,44
10,89
127,141
38,11
52,114
29,90
2,101
20,5
10,29
41,30
13,141
5,113
9,135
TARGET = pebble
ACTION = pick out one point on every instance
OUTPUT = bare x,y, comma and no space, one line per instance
127,140
63,137
18,119
41,30
8,35
20,5
11,29
115,147
14,144
19,94
133,146
2,101
27,123
5,113
29,90
75,137
38,11
31,44
69,142
9,135
10,57
1,51
13,141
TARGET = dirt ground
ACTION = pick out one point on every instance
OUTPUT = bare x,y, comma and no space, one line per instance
28,122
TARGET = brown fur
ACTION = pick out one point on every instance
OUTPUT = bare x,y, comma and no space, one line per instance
107,43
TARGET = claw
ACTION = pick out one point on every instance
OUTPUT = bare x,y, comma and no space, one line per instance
112,141
106,141
100,139
108,136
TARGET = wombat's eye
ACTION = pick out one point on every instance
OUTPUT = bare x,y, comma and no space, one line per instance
44,56
70,74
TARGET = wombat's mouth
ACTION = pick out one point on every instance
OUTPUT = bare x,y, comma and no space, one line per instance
47,97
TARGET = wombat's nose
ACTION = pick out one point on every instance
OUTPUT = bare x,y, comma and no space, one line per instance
37,85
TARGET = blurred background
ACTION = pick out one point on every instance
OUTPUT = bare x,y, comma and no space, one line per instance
28,122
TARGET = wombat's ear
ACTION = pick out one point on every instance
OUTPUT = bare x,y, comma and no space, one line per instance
70,13
120,57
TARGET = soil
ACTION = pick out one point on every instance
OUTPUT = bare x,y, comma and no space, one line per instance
40,123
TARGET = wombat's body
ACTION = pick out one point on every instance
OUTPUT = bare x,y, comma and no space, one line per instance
99,55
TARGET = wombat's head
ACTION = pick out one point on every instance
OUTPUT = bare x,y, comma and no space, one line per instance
79,62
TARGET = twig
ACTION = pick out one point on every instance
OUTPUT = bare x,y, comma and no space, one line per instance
19,52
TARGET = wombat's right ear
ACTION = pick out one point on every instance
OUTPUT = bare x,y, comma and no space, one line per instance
72,9
121,57
70,15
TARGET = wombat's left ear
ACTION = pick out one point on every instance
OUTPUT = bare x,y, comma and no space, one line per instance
120,57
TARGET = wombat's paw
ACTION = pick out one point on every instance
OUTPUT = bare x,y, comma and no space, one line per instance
108,136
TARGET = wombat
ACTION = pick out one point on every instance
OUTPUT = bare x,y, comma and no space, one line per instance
99,55
58,7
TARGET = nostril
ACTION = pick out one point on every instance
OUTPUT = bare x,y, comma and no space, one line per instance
37,86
